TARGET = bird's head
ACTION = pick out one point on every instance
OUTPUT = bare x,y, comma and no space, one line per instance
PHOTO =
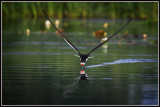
83,59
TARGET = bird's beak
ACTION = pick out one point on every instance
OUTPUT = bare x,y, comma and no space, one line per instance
82,64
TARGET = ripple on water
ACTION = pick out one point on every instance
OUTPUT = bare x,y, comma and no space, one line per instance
121,61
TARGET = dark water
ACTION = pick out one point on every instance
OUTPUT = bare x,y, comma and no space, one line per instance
41,69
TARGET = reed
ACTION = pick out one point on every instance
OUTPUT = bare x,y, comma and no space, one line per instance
120,10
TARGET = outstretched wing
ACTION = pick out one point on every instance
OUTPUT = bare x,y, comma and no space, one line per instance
69,43
109,37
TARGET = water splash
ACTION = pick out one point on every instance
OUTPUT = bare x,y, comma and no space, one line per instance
121,61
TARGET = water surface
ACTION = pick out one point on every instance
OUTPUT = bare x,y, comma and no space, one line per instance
41,69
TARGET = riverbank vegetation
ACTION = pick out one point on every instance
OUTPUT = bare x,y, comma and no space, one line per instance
112,10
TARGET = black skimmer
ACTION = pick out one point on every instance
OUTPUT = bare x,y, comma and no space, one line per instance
84,57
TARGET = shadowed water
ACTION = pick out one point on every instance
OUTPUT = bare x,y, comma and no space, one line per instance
41,69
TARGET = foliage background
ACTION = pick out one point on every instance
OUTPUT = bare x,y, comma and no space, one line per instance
138,10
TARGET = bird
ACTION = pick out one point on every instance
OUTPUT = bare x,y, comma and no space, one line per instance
47,24
57,22
99,34
84,57
144,36
28,32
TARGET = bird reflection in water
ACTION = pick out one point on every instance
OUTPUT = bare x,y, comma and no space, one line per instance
83,75
81,82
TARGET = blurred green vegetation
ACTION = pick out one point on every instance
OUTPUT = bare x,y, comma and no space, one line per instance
112,10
